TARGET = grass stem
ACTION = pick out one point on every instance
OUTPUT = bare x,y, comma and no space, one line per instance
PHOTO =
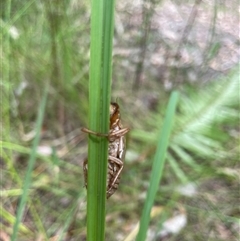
99,99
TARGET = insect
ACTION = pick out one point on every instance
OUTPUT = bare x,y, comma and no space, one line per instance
116,149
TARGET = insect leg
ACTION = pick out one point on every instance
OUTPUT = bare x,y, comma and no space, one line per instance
93,132
119,133
120,163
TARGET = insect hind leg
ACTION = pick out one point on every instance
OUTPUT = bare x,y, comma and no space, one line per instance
111,188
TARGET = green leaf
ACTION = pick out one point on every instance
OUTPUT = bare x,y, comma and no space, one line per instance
157,167
176,168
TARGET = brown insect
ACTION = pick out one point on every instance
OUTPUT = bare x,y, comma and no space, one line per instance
116,149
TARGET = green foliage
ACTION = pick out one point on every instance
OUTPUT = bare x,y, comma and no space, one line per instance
199,129
200,124
198,137
157,167
48,42
41,44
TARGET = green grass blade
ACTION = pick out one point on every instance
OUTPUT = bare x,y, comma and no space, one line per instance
32,158
8,217
157,167
99,100
6,85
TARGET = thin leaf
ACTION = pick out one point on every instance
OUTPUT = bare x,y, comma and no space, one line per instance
177,170
189,142
157,167
31,162
185,157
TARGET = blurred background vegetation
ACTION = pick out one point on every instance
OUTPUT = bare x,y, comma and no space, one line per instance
159,46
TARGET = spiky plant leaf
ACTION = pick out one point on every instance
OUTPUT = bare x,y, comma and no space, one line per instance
199,131
199,127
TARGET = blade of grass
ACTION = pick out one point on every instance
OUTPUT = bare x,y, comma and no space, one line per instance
157,167
6,87
31,162
156,211
20,13
69,218
8,217
99,100
22,149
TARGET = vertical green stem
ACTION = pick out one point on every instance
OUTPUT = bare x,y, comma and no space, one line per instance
99,99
